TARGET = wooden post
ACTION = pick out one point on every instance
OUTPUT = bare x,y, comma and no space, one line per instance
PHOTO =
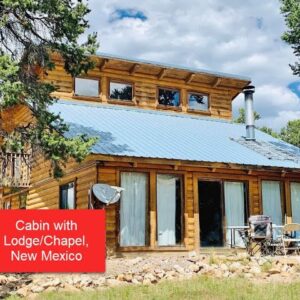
104,89
183,96
288,204
152,207
196,212
1,198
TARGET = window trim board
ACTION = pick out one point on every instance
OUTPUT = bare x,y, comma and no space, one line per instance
119,101
189,109
93,98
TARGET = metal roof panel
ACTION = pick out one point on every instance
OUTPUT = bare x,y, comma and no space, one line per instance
127,131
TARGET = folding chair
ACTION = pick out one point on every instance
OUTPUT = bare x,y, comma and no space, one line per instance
290,239
258,238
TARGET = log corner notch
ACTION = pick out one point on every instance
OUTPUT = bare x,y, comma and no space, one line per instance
162,74
216,82
190,78
103,64
134,69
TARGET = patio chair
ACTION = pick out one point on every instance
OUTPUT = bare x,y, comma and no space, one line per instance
290,240
258,237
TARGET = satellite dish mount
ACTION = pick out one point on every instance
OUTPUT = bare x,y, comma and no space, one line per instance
101,195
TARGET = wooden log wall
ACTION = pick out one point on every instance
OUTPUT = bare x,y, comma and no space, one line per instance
145,90
44,192
110,174
15,117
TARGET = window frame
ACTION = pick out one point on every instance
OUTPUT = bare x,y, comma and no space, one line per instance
119,101
75,189
282,195
169,107
23,200
94,98
152,208
193,110
290,204
247,201
182,184
147,213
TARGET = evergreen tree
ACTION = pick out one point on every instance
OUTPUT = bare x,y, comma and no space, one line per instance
30,32
291,133
291,12
241,116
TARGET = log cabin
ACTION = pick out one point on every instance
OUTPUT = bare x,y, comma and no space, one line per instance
166,135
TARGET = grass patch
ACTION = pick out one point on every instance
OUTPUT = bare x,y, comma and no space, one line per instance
213,260
266,267
197,288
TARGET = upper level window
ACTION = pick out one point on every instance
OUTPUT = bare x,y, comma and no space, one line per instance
86,87
120,91
198,101
168,97
67,196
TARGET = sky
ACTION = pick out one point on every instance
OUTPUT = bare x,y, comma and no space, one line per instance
233,36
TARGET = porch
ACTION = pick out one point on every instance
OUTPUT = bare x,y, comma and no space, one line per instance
14,170
192,209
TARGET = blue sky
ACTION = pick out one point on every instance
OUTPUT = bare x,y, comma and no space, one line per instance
240,37
127,13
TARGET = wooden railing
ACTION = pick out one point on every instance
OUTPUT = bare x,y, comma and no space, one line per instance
14,170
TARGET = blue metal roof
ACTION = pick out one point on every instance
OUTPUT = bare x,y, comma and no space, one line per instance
134,132
173,66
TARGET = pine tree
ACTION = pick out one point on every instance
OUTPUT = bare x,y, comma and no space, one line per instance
30,32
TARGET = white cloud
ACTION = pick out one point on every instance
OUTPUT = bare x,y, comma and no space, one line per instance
276,105
280,120
241,37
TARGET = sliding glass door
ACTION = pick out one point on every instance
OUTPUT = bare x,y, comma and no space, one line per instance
235,208
133,209
169,209
295,201
271,198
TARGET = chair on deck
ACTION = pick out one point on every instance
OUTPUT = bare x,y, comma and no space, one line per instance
258,238
290,239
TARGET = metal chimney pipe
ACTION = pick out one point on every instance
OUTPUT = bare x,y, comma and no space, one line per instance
249,113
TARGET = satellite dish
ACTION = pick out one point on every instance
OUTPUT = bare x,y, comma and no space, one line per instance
107,194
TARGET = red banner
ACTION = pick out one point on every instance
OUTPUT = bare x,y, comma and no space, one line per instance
52,241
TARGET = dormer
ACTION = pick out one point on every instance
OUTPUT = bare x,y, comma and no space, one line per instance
151,85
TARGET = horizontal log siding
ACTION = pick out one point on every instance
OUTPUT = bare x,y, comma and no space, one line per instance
145,89
109,176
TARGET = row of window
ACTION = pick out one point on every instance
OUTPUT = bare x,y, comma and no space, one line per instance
134,208
124,92
134,224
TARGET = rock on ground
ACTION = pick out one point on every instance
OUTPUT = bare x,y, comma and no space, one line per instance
153,268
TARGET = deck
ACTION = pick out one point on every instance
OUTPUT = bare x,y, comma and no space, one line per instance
14,170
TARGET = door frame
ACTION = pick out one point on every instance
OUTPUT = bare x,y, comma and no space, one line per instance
222,204
199,177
